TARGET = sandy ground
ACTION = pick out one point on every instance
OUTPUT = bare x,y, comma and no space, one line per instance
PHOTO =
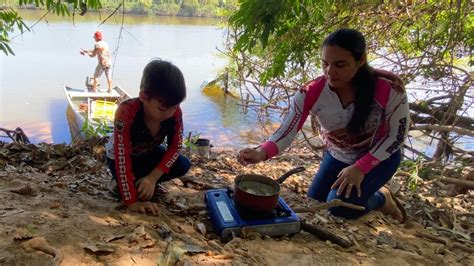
54,202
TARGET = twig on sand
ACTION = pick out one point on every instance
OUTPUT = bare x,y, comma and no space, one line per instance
325,234
333,203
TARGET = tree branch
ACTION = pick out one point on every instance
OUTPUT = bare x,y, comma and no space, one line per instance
457,130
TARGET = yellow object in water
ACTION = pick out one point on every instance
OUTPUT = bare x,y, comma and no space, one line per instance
103,109
212,89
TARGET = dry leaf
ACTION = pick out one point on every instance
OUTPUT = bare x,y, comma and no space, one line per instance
113,238
171,255
201,228
55,205
98,249
25,191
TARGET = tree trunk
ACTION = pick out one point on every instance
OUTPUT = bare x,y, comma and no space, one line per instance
444,146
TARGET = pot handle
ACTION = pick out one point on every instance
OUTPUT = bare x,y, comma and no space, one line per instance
282,178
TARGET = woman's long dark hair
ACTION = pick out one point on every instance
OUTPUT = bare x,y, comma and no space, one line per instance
363,81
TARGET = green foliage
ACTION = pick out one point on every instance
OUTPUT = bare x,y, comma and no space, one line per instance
412,167
168,9
190,143
139,7
290,31
9,21
435,33
95,129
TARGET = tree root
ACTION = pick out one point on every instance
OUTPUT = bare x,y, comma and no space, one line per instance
40,244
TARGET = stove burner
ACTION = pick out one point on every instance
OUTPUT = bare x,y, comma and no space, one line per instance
229,219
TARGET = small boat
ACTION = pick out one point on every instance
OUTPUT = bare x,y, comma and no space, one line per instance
92,113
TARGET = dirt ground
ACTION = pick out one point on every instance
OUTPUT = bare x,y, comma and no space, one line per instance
55,210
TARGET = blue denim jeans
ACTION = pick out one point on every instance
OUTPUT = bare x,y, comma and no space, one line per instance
145,163
371,198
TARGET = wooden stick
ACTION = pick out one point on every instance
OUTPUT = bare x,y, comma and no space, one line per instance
325,234
464,183
333,203
417,152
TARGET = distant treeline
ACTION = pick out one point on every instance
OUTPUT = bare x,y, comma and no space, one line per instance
187,8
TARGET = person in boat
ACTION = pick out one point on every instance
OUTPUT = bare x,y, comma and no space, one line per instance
136,156
101,50
363,116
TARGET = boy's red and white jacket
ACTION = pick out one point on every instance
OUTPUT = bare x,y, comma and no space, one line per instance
131,139
384,132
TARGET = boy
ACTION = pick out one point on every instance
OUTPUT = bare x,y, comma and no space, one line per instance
135,156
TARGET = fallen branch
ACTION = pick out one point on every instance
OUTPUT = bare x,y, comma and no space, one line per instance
439,128
17,135
332,204
189,180
463,121
324,234
447,243
463,183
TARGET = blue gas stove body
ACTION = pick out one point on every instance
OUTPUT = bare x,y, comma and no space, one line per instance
228,220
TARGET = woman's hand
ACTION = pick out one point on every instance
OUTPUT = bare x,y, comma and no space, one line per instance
144,207
349,178
247,156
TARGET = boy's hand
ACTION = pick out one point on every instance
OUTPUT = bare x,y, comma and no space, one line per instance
147,184
144,207
146,187
247,156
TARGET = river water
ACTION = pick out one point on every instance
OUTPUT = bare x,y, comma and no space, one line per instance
32,97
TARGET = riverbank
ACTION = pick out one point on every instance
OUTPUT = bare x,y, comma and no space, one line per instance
55,200
150,8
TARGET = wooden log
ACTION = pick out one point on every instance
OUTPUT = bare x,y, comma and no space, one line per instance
324,234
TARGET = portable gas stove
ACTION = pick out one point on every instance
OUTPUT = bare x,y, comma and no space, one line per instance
228,220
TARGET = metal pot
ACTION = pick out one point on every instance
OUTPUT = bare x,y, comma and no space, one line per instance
259,193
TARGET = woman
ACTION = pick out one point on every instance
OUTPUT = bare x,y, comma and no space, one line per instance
363,115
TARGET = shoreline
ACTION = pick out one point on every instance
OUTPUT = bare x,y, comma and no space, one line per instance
127,12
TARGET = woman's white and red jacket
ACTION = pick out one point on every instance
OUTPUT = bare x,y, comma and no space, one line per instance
383,134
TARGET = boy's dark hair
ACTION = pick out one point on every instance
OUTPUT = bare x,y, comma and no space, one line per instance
163,81
363,81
